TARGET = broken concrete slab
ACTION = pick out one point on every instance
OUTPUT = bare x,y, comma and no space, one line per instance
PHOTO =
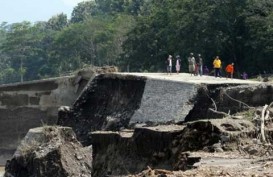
50,151
165,101
117,101
107,103
126,152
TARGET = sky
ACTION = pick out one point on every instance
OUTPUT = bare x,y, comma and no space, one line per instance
13,11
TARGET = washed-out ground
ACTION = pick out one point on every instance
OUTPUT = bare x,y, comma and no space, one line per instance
231,163
224,164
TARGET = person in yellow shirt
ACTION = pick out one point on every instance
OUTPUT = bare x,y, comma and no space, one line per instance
217,66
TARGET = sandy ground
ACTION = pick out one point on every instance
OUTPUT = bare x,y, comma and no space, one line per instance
225,164
2,169
232,164
186,77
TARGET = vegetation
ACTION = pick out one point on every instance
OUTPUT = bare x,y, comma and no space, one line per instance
138,35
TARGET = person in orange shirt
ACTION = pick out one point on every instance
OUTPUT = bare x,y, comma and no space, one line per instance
230,70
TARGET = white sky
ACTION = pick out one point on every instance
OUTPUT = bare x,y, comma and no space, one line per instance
13,11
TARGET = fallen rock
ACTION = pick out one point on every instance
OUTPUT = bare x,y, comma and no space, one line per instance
50,151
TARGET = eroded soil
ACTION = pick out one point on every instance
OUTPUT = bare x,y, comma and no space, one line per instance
225,164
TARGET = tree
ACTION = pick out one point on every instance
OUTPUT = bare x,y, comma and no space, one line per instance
259,22
57,22
111,6
81,44
6,71
83,11
17,45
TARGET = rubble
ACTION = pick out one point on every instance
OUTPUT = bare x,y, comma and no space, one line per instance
167,147
50,151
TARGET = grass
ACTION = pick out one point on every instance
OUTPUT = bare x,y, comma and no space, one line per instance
28,147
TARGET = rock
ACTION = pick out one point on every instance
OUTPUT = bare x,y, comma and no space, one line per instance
256,141
253,151
224,138
50,151
111,123
85,73
265,79
218,150
217,145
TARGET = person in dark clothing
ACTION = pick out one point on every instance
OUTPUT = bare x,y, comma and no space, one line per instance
206,70
199,64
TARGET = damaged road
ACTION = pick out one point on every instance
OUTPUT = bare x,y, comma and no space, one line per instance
158,129
152,126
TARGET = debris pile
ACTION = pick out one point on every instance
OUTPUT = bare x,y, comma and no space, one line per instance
50,151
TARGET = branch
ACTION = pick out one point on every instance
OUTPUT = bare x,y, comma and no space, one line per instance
249,107
270,105
225,114
262,122
214,104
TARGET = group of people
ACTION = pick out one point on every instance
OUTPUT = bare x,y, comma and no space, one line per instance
170,65
217,65
195,66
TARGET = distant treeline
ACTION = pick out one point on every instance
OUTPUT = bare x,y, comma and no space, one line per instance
138,35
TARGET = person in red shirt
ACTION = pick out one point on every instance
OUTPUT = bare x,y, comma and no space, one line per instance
230,70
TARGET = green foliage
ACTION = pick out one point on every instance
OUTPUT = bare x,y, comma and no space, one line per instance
57,22
259,21
83,11
138,35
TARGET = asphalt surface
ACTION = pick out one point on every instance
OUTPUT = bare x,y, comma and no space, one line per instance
186,77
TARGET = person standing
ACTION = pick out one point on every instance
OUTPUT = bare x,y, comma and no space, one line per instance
217,66
206,70
192,63
230,70
244,75
199,63
169,65
178,64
